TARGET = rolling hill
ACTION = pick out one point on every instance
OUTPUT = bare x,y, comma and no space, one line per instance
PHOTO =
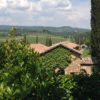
53,30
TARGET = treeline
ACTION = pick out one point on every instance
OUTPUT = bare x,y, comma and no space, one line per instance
39,29
80,38
22,32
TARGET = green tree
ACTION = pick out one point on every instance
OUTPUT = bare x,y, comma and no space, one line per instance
18,67
95,24
37,39
48,41
67,84
25,38
12,32
86,86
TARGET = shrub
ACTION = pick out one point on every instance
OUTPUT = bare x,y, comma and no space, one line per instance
18,67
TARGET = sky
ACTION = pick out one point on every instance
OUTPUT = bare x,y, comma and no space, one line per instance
74,13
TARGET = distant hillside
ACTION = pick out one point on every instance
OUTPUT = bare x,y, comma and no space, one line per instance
54,30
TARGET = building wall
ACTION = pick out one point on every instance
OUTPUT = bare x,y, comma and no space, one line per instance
88,69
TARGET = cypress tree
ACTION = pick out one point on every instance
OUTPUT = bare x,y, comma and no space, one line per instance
95,25
13,32
25,38
37,39
48,41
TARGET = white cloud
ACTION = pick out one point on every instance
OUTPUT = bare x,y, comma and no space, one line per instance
3,4
45,12
39,5
79,14
55,4
18,4
5,20
64,5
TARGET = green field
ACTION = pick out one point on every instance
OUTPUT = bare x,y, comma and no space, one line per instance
86,53
42,39
32,38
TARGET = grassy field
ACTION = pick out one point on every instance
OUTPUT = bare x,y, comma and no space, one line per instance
86,53
42,39
32,38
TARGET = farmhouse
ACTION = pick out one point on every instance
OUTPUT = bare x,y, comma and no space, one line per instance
78,63
81,65
42,49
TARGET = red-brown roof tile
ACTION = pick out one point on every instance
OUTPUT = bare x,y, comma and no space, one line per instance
39,47
71,45
88,61
61,45
42,49
74,67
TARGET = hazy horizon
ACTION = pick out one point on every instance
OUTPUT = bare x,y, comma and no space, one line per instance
43,26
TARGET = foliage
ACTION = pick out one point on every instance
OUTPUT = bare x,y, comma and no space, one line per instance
22,77
51,87
25,38
37,39
47,87
67,84
95,23
12,32
88,42
71,87
48,41
58,57
86,53
18,67
87,88
79,38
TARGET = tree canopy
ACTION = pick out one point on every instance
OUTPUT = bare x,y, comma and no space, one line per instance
95,33
18,67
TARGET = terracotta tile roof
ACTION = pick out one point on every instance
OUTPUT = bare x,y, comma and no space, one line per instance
71,45
71,48
39,47
88,61
42,49
74,67
61,45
